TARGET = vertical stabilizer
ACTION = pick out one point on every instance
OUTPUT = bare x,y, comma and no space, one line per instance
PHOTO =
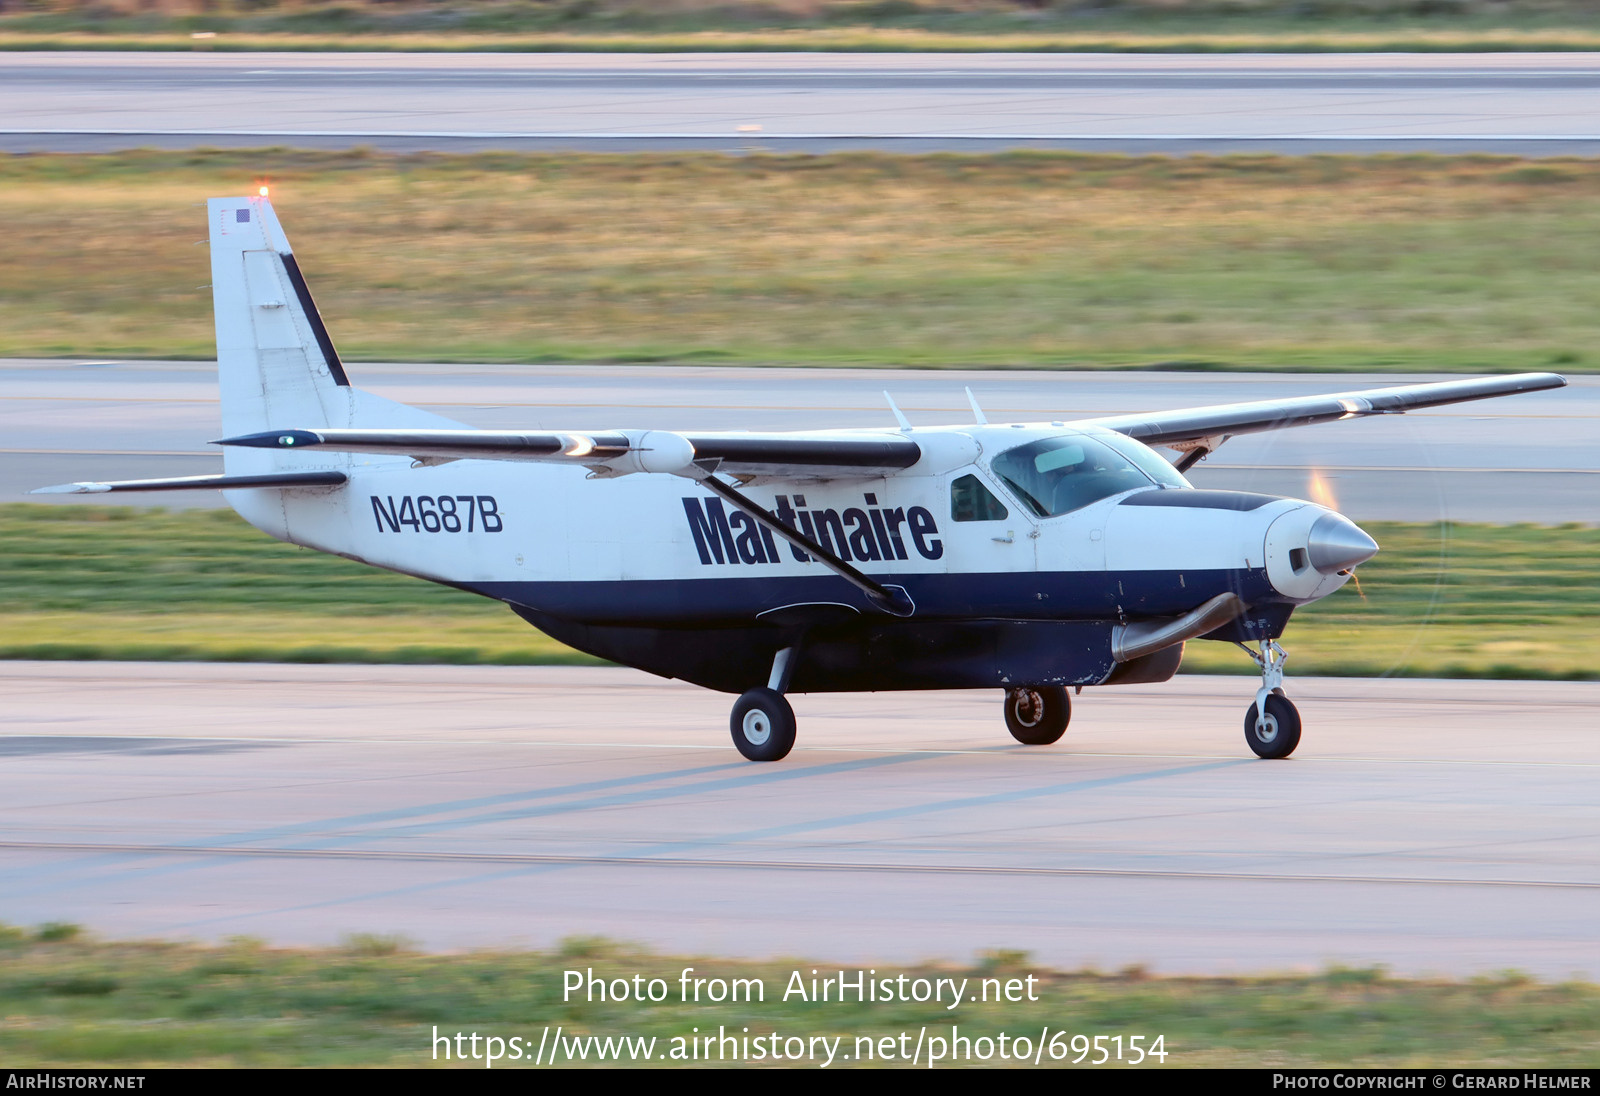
278,369
276,364
275,359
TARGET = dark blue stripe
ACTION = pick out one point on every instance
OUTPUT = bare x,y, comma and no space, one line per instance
727,596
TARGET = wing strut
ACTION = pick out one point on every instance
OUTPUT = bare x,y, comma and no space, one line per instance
1196,451
891,599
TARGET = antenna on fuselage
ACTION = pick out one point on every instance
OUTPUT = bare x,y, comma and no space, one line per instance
977,412
905,423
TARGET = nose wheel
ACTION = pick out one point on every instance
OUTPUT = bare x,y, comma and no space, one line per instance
1037,715
1273,731
1272,723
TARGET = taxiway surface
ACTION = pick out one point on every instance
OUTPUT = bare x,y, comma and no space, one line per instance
1521,103
1445,827
1523,458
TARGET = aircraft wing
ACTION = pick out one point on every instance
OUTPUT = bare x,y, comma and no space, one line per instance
808,456
1195,424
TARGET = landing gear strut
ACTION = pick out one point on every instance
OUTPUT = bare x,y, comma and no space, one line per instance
1037,715
762,722
1272,723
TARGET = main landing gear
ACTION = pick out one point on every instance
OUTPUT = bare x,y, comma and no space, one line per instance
1272,723
762,721
1037,715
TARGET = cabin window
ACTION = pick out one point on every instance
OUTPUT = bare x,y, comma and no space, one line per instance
1058,475
970,500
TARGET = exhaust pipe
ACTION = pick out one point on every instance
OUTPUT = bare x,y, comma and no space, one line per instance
1131,641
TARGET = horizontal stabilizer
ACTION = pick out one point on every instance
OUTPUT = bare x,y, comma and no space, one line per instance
195,483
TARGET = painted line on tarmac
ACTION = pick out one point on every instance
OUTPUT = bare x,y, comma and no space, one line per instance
763,865
88,398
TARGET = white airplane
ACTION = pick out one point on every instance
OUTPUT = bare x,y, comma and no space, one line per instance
1023,557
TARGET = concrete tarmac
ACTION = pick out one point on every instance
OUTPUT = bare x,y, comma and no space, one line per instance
1437,827
1523,458
1521,103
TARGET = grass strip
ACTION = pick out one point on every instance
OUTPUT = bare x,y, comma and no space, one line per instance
72,1001
1472,263
832,25
94,582
1347,39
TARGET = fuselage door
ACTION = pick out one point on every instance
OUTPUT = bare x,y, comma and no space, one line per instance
993,534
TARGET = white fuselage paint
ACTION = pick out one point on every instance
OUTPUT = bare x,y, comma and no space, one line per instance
558,524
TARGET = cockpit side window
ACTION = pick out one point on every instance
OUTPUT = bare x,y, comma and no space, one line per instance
1058,475
970,500
1148,461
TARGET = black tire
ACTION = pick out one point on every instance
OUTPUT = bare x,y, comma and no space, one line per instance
763,725
1037,715
1280,732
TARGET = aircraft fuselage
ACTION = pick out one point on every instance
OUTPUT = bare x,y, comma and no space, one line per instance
657,572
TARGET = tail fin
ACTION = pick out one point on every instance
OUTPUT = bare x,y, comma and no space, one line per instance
276,364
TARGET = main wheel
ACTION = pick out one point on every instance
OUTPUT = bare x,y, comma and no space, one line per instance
1276,735
763,725
1037,715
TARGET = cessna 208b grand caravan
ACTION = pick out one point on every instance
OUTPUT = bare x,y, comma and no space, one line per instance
1023,557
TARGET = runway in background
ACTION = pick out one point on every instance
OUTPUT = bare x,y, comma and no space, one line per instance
1517,103
1526,458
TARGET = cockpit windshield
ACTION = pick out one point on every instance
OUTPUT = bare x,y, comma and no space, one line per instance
1058,475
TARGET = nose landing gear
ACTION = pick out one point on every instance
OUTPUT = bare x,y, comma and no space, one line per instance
1272,723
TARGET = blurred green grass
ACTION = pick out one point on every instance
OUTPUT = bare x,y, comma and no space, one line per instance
78,1002
1024,259
865,25
124,583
